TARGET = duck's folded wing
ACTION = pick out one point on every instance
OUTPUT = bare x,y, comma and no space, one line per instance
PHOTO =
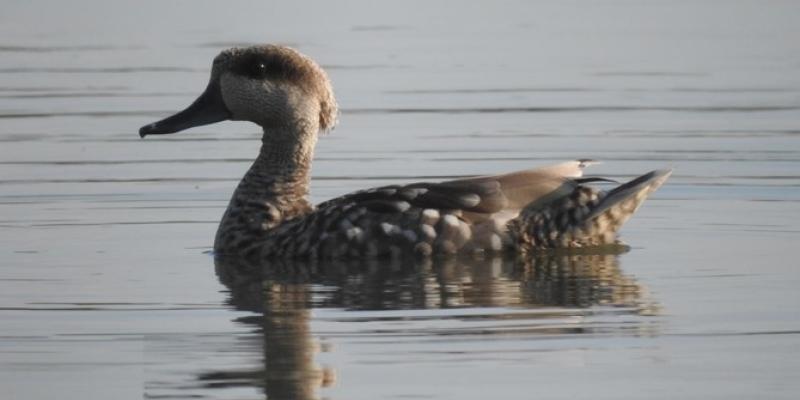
521,188
478,197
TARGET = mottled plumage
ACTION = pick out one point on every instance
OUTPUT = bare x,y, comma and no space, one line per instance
269,216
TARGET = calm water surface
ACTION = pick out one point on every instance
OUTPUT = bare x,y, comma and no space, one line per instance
108,290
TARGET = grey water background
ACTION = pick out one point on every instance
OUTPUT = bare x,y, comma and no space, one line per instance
107,288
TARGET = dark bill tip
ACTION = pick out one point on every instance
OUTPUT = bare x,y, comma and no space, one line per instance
149,129
207,109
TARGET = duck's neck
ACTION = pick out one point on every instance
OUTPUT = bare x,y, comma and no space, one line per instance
273,190
281,172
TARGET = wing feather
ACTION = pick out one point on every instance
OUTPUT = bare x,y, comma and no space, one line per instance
480,197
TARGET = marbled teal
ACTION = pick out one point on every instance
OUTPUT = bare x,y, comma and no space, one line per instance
270,216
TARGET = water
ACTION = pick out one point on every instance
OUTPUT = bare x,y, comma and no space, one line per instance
107,289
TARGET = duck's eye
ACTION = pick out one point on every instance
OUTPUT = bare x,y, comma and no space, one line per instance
261,68
255,69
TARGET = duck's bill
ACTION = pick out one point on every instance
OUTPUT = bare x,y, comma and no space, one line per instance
207,109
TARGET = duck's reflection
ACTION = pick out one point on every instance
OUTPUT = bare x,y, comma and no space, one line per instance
284,293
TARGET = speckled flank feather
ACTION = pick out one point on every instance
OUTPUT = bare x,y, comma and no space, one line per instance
269,216
465,216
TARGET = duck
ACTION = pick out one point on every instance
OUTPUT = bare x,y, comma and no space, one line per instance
270,217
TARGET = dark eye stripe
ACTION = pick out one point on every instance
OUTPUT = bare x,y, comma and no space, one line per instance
274,66
260,67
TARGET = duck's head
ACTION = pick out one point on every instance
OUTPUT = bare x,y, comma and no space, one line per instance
274,86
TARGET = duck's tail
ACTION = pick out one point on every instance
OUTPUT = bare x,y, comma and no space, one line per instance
585,217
